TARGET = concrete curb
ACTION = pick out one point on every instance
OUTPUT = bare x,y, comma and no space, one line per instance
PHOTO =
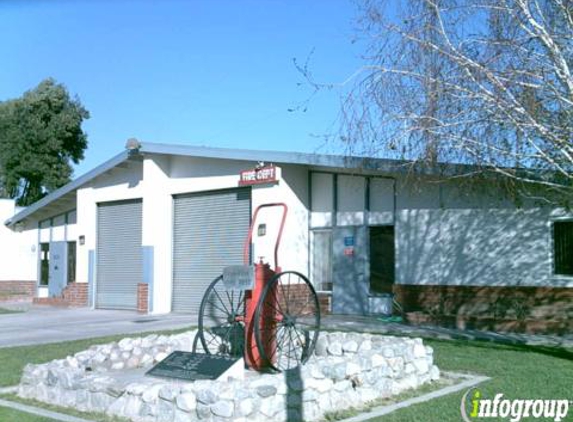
41,412
470,381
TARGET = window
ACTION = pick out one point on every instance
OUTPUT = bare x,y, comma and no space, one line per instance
322,260
382,259
71,262
322,202
351,197
563,247
44,263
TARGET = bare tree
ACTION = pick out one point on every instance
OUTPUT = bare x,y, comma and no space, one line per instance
481,82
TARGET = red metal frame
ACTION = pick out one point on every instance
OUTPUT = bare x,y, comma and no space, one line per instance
263,273
247,246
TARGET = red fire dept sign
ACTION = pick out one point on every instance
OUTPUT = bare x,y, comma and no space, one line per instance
258,176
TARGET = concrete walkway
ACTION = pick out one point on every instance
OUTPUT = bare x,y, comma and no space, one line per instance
376,325
46,324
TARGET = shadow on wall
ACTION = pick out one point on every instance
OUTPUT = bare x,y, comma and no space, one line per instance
473,247
476,268
490,254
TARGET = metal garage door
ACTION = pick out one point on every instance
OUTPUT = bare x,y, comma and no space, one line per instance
209,234
119,257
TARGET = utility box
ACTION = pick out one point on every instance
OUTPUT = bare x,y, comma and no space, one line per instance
350,289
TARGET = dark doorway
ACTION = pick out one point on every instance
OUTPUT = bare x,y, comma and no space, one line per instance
44,263
71,262
382,259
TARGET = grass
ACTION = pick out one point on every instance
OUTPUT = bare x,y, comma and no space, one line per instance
13,360
15,415
8,311
408,394
516,371
93,416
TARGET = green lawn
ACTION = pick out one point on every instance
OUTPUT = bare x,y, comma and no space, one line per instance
13,360
14,415
517,372
8,311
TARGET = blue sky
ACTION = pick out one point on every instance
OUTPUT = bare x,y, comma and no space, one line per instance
216,73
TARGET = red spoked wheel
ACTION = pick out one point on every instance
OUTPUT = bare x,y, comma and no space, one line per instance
287,321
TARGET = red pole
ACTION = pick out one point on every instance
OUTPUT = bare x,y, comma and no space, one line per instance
263,274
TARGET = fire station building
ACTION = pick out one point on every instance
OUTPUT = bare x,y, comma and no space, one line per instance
149,229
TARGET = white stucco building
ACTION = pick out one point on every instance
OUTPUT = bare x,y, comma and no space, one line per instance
151,227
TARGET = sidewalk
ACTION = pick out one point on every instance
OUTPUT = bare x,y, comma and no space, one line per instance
375,325
39,324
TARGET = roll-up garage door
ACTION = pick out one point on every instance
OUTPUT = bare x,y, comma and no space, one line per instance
209,234
119,256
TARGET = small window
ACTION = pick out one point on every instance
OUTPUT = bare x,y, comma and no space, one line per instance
563,247
72,217
322,260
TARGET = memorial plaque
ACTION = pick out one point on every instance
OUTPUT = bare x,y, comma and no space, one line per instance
239,277
190,366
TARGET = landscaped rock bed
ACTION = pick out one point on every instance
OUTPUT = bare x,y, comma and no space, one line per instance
347,370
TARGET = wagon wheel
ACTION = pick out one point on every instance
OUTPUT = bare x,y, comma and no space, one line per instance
221,320
287,321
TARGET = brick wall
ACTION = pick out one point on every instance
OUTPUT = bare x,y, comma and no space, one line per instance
325,301
520,309
299,297
76,294
142,298
17,291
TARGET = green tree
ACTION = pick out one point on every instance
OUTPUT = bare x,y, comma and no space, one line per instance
40,135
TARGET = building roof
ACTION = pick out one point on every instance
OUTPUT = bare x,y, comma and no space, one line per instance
278,157
66,189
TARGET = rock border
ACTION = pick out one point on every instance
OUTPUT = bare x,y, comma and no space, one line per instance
347,370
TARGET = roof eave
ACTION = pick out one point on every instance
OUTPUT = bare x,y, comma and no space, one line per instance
75,184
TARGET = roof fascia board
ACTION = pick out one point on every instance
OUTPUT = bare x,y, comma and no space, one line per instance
316,160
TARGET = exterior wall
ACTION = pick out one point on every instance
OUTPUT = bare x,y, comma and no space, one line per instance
447,237
293,249
18,250
17,291
118,184
188,174
58,228
76,294
156,179
143,298
471,260
347,203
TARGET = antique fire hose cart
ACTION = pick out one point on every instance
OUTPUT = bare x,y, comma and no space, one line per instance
268,316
